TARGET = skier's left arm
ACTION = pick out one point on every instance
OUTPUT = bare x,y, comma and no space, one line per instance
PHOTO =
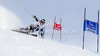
35,18
42,32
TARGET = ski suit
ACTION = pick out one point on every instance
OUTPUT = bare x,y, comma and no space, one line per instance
37,27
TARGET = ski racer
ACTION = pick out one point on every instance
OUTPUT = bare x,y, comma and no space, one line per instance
38,26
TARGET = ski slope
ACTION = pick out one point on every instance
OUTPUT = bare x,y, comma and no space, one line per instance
17,44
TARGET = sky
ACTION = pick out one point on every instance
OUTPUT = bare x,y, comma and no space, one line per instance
71,12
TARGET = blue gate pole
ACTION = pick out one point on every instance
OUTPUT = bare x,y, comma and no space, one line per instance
83,28
98,34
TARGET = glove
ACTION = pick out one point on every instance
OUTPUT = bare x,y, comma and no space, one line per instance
33,16
42,35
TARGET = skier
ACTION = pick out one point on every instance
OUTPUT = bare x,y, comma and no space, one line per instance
38,26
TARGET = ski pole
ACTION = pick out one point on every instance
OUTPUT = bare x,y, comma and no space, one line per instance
24,8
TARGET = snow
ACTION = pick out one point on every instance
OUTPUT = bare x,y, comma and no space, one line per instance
9,20
17,44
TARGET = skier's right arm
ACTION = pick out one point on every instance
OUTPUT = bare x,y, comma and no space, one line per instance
35,18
